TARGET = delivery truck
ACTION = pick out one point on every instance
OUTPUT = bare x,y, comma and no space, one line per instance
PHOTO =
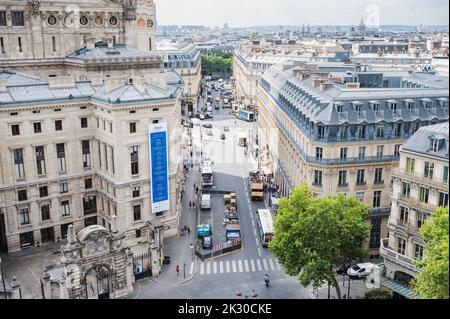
247,116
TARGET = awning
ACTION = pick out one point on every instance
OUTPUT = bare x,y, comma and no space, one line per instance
398,288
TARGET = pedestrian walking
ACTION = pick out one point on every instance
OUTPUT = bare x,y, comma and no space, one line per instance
189,230
190,204
178,270
193,204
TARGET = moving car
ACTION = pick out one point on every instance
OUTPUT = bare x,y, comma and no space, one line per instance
206,202
207,125
360,270
341,269
222,136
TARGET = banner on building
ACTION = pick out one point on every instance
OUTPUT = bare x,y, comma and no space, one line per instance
159,167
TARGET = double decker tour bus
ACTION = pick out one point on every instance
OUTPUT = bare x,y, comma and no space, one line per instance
207,176
265,226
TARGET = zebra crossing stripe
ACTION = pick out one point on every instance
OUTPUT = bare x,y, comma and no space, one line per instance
258,263
192,269
221,267
214,268
272,266
227,263
233,263
252,263
202,268
208,267
266,268
240,265
247,269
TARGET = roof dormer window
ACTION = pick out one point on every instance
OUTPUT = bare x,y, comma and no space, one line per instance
436,143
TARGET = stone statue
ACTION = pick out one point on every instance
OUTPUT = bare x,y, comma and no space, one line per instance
35,5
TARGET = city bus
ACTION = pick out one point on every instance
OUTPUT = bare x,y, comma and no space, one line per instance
207,176
265,226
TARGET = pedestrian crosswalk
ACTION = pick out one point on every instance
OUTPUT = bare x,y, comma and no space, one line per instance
240,265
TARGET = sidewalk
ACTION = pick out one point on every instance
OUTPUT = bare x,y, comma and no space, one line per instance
178,248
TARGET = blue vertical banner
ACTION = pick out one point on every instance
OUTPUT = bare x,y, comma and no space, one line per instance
159,167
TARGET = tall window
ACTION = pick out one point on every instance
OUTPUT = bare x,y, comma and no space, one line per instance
418,251
443,199
318,177
445,174
376,199
86,153
397,149
133,127
401,246
380,149
375,234
2,18
344,132
434,145
136,191
320,132
18,163
58,125
40,160
99,144
64,187
2,44
428,170
43,191
378,175
134,160
137,212
360,177
65,208
421,218
406,189
24,216
362,132
149,44
89,205
112,161
84,122
424,194
319,152
17,18
15,129
54,44
343,155
360,197
105,147
37,127
397,130
362,152
88,183
342,178
45,212
19,43
61,157
404,214
380,131
410,163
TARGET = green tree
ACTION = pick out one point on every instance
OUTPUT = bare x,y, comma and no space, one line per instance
378,294
433,281
312,234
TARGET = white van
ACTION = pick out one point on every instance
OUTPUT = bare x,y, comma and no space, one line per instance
206,202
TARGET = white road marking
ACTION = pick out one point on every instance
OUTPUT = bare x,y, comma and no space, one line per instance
227,263
202,268
214,268
258,263
192,269
253,223
272,266
259,252
208,268
252,264
247,269
266,268
240,265
233,263
254,231
221,267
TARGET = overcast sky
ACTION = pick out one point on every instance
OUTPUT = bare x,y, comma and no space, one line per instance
240,13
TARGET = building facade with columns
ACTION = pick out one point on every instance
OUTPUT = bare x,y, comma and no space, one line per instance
341,131
420,185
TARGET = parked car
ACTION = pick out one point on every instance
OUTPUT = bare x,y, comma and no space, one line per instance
360,270
207,125
207,242
209,133
202,116
222,136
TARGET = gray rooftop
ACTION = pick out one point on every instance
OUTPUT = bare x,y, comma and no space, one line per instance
420,142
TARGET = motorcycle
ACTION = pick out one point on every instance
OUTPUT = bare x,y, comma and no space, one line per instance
267,281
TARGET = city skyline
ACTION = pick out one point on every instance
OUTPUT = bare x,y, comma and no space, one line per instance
290,12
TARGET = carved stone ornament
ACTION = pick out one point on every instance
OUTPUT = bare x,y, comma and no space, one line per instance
35,5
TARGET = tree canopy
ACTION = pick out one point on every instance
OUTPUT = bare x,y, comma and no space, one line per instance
313,234
216,64
433,281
